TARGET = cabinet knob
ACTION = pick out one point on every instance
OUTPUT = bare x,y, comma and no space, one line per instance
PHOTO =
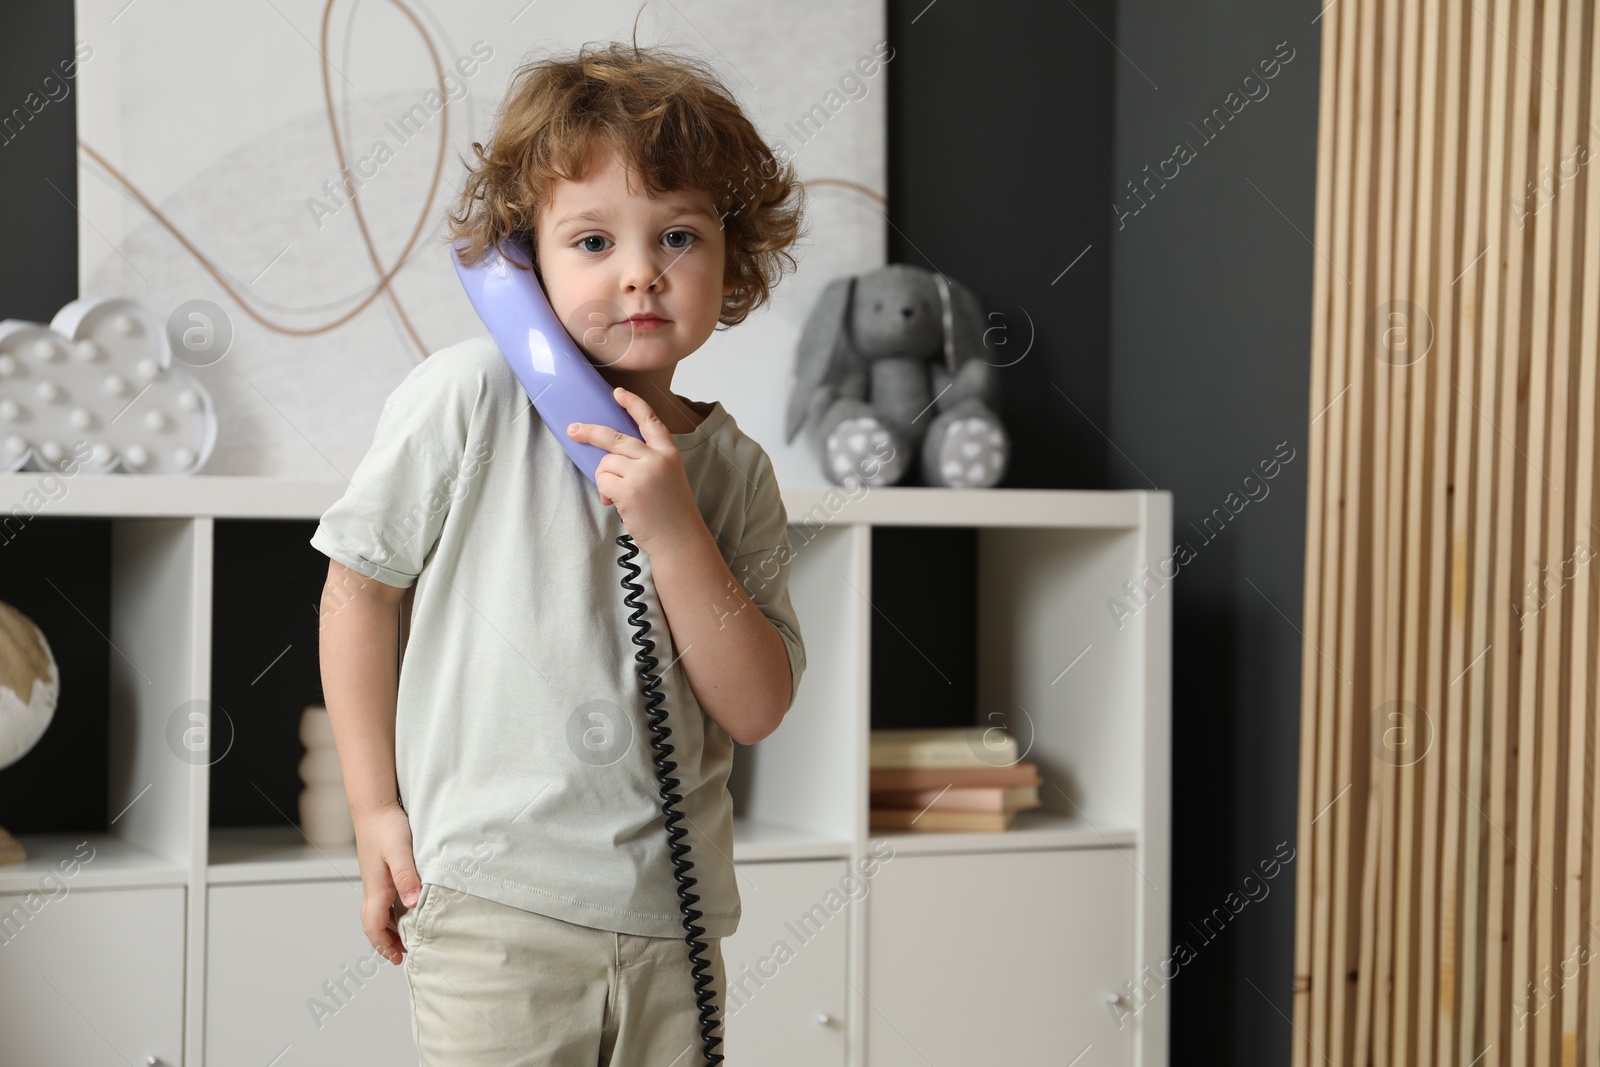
824,1019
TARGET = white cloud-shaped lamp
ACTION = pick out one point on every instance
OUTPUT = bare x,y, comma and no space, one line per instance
97,388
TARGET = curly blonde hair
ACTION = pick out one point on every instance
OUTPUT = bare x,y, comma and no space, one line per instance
671,121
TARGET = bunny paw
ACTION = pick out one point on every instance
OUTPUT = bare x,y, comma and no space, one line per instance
973,454
862,449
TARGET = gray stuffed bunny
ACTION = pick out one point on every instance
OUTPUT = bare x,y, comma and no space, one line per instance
891,369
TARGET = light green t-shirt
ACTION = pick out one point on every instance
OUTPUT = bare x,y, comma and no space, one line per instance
522,746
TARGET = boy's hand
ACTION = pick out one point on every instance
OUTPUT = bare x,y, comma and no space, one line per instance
644,478
388,870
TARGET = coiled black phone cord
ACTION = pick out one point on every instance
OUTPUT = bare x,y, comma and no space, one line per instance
699,967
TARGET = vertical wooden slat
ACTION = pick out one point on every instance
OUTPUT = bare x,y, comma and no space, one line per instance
1333,803
1427,442
1356,553
1458,891
1435,226
1388,533
1586,602
1483,718
1553,334
1531,933
1360,534
1378,883
1310,881
1408,496
1504,667
1453,491
1563,661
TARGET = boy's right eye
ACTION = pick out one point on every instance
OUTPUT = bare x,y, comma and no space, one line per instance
591,237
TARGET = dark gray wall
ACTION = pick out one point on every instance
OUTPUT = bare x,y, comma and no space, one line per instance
1000,141
1210,374
39,271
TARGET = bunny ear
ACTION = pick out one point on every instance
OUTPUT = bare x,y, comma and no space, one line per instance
824,354
968,322
969,327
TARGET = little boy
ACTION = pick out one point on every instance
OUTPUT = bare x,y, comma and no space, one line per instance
502,786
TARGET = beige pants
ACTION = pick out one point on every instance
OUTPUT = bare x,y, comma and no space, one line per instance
496,985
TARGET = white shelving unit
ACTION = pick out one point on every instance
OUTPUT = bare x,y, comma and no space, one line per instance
199,945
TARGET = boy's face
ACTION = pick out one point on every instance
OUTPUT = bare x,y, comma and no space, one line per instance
631,255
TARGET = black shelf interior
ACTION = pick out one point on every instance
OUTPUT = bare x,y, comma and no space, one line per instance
264,666
924,627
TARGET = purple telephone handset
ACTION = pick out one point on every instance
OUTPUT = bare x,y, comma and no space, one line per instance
563,385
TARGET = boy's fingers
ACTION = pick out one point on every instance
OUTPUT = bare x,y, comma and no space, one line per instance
653,429
376,915
407,884
612,440
396,943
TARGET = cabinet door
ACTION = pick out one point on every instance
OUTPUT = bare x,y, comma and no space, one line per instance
1000,957
785,997
292,981
92,977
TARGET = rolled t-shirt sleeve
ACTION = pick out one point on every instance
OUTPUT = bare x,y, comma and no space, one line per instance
389,519
761,563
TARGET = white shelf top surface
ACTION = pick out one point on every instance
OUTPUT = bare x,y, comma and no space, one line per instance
44,494
106,862
282,854
1033,829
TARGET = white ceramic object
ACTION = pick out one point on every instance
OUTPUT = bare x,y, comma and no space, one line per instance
324,811
97,388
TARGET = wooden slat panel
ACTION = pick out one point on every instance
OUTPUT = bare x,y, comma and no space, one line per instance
1447,905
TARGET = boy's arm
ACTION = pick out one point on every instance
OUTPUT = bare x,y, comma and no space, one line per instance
360,634
734,658
359,627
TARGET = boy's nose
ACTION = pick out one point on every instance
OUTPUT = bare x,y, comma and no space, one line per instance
641,271
644,277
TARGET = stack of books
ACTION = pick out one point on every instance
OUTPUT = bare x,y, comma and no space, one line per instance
958,778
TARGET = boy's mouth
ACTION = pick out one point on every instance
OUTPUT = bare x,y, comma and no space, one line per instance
645,322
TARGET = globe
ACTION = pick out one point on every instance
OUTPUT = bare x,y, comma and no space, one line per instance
30,684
